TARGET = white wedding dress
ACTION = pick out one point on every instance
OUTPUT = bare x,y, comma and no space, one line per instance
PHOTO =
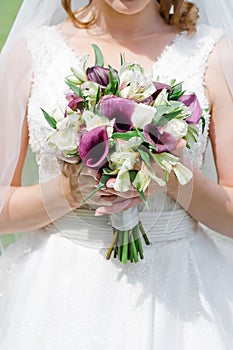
57,290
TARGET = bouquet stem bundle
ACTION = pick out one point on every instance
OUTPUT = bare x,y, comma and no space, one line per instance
127,245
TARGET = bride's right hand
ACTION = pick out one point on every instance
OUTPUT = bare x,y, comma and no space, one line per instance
81,181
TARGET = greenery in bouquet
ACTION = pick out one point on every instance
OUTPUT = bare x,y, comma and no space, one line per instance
122,123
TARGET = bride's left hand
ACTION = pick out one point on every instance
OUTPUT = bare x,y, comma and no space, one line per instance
132,197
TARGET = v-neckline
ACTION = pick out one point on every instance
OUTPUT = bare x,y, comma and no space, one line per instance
177,37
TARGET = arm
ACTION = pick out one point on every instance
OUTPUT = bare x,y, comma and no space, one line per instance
35,206
207,202
32,207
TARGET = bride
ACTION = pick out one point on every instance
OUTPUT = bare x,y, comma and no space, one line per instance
57,291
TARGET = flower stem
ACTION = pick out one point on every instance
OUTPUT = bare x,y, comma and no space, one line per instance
133,249
124,258
137,240
110,249
143,232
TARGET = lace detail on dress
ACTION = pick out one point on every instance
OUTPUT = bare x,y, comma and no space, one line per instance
52,60
184,60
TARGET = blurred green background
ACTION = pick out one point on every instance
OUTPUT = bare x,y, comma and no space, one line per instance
8,11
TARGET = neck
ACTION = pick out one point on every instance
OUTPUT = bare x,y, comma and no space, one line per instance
136,25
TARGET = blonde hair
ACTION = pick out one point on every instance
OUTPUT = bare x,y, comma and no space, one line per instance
73,14
184,14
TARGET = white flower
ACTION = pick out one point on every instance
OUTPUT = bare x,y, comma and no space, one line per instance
144,177
93,120
64,140
152,173
90,90
69,122
177,128
142,181
58,113
134,83
143,115
127,146
65,137
183,174
122,183
162,99
79,70
123,162
165,160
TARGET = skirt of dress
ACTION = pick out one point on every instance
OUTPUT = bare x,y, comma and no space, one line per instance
57,291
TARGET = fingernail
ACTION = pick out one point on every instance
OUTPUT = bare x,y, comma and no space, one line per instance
98,214
111,185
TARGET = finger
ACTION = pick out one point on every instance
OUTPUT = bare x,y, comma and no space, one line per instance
85,171
110,183
109,198
181,143
117,207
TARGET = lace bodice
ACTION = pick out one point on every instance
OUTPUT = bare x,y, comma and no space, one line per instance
184,60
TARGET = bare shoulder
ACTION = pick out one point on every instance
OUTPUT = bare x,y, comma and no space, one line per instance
216,85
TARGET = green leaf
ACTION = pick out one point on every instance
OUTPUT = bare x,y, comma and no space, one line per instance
51,121
111,88
203,124
76,89
99,58
176,96
98,95
122,55
141,135
167,117
132,175
102,184
145,157
104,178
124,135
142,195
177,87
177,91
114,83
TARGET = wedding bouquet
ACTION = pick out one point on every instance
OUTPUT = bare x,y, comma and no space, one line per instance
122,124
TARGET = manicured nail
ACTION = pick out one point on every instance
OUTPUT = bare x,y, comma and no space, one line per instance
98,214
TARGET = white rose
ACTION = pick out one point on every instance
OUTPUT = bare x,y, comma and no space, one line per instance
58,112
64,140
177,128
68,122
143,115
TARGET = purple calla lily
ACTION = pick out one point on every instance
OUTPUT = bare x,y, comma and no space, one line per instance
159,87
163,142
76,103
99,75
192,103
119,108
94,147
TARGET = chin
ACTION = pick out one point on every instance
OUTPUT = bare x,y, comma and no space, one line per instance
128,7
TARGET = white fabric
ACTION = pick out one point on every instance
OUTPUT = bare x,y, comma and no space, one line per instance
15,79
219,14
57,291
